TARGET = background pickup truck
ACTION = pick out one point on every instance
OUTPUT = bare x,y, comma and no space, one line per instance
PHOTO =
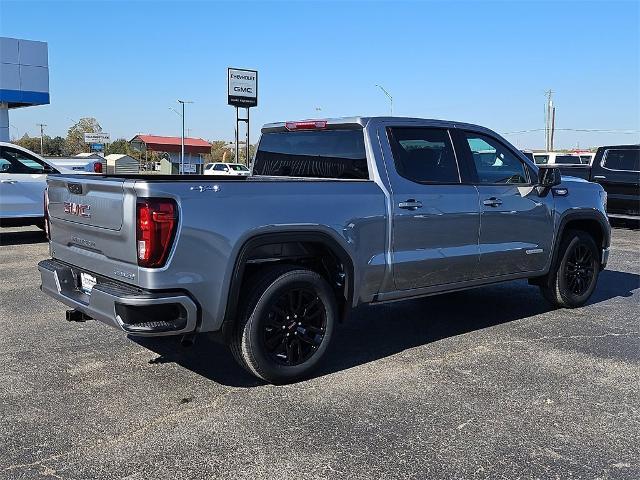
617,169
337,213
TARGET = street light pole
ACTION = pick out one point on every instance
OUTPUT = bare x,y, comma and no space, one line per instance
182,102
388,95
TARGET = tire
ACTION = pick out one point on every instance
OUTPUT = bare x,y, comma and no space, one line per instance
574,275
268,341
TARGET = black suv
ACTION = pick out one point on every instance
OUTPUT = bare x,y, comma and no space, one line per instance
617,169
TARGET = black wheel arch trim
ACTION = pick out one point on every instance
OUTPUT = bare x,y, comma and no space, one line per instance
596,215
258,240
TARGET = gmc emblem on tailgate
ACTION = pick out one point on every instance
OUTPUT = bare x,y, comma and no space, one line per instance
78,209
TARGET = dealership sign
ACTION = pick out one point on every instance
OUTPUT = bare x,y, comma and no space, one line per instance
242,87
96,138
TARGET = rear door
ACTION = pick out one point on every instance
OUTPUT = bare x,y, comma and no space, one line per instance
516,225
22,184
618,171
435,214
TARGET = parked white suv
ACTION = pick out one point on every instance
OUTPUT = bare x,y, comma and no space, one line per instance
226,169
557,158
23,177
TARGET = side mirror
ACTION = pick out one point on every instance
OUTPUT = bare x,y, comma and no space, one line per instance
549,176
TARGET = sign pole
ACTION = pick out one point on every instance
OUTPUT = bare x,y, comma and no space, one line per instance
237,153
242,91
246,159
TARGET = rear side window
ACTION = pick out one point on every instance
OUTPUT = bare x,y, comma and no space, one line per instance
318,154
622,160
424,155
541,159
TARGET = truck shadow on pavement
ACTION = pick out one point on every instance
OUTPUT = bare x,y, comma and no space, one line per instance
23,237
378,331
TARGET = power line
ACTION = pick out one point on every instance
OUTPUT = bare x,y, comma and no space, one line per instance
588,130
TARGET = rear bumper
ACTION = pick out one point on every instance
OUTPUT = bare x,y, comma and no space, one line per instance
133,310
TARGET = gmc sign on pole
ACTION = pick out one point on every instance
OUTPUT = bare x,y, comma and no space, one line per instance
243,87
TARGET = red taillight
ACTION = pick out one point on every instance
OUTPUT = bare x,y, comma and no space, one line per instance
97,167
46,214
306,125
157,219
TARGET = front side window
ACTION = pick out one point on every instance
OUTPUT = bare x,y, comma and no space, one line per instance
238,167
619,159
424,155
15,161
494,162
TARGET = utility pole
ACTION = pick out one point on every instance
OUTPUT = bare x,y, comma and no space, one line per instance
388,95
549,117
41,125
182,102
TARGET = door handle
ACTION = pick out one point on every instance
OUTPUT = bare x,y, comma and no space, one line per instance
599,177
410,204
492,202
11,182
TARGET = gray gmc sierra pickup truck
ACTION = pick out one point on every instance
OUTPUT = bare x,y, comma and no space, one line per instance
337,213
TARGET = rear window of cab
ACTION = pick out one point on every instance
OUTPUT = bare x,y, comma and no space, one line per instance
335,153
619,159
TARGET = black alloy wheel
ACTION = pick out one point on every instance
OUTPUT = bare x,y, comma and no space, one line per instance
579,269
286,325
295,326
573,276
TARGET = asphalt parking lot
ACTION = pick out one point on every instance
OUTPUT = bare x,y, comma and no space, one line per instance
488,383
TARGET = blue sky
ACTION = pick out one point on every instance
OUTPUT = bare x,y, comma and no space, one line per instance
126,63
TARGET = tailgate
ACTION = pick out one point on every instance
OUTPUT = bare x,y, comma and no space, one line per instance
96,202
92,224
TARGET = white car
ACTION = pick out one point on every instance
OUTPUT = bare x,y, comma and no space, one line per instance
23,177
226,169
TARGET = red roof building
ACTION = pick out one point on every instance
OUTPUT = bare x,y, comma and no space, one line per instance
156,143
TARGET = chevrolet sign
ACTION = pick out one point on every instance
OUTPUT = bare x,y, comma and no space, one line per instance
242,87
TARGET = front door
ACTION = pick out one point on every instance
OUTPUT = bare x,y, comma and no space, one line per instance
516,224
435,215
22,184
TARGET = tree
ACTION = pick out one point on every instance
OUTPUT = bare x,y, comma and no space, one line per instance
30,143
218,150
54,146
74,143
119,146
